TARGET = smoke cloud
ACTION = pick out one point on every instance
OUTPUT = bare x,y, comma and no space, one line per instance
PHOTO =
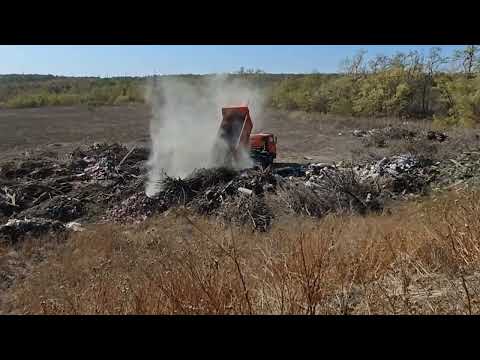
185,120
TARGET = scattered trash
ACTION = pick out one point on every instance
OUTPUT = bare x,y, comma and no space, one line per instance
74,226
296,171
16,229
245,191
380,137
435,135
359,133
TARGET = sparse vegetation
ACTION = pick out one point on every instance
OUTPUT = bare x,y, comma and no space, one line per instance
21,91
413,84
422,259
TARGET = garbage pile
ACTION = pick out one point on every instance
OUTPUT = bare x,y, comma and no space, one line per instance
228,194
436,136
79,187
106,183
174,192
241,200
135,208
60,207
359,188
399,175
380,137
329,188
242,197
389,132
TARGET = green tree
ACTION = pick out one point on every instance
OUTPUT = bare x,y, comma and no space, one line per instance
461,96
468,59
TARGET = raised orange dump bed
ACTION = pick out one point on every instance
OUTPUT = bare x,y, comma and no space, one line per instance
236,126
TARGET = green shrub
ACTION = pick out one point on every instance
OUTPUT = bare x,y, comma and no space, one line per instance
17,91
461,95
67,99
25,101
384,93
306,93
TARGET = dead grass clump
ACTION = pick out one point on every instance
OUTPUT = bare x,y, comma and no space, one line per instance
417,147
247,210
425,258
338,191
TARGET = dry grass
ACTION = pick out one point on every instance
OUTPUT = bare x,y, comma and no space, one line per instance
422,259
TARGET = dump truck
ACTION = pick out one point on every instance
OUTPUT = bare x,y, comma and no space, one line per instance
237,141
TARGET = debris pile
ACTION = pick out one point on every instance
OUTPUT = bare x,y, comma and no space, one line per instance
174,192
228,194
246,209
398,175
240,200
329,188
62,208
436,136
15,229
106,183
380,137
135,208
388,132
79,187
464,169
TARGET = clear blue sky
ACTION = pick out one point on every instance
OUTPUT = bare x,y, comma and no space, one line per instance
119,60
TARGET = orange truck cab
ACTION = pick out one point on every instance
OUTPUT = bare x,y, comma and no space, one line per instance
235,130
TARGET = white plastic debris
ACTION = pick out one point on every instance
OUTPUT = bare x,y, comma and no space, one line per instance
74,226
245,191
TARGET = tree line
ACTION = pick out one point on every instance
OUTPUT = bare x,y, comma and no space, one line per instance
407,84
412,84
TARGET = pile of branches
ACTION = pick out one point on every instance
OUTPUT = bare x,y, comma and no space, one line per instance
181,191
232,196
79,186
463,169
106,182
245,209
330,190
173,192
241,200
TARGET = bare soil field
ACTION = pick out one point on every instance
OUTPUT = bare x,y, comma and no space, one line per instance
64,128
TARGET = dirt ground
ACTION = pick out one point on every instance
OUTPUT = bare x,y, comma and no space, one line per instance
64,128
61,129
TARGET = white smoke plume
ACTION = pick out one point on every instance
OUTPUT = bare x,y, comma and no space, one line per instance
185,120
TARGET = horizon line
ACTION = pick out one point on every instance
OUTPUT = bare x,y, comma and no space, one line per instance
172,74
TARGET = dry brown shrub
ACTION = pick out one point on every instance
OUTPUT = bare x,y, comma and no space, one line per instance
424,258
